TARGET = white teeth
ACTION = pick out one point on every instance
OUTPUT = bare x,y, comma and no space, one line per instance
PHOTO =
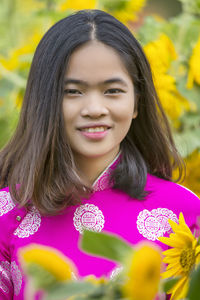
96,129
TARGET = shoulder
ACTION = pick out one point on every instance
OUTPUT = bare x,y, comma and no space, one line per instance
174,197
170,190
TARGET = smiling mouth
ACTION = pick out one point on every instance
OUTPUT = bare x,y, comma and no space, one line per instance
94,129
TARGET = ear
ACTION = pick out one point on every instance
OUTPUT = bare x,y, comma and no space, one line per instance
135,113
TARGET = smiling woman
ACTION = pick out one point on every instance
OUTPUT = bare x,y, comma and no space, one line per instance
93,150
98,108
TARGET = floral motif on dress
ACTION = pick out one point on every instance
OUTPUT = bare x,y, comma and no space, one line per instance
90,217
5,277
154,224
102,182
29,225
6,203
16,277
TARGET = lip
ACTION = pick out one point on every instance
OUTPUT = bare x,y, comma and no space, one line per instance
94,135
93,125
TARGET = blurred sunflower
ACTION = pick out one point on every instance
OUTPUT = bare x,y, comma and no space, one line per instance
194,66
161,53
193,175
50,259
142,273
182,258
127,10
76,5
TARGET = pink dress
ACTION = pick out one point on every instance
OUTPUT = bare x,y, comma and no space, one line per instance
107,209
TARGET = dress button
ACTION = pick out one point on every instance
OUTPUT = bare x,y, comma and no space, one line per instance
18,218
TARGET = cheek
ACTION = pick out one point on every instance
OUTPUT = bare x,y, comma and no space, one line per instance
69,114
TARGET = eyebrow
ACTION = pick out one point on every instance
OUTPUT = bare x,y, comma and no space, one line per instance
108,81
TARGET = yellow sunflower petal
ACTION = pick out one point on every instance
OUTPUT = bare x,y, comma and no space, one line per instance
180,227
179,283
174,225
180,289
197,254
172,241
170,273
185,237
182,223
169,260
172,252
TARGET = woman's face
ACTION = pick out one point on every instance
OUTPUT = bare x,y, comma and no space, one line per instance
98,103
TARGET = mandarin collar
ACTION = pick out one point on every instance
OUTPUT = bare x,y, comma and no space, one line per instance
102,181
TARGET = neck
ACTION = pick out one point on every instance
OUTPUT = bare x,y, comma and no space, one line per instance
90,168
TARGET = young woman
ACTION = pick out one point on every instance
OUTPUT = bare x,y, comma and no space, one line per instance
93,149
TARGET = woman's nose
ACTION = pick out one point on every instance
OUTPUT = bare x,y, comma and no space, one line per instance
94,106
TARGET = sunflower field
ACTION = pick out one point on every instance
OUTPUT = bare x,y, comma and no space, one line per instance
172,46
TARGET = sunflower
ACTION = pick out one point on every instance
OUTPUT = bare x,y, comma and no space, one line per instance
194,66
182,258
48,258
142,273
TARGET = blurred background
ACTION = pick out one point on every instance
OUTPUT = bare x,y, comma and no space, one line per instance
169,32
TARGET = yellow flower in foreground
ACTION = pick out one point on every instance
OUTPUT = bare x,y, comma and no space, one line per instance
182,258
194,66
143,273
48,258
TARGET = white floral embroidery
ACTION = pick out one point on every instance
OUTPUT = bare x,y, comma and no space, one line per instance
116,271
88,216
6,203
5,278
30,224
16,277
153,224
102,182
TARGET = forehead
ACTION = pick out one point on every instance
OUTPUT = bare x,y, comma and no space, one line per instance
95,61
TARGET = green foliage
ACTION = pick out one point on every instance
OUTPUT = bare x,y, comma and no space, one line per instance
105,245
113,248
112,5
72,288
191,6
149,31
169,283
194,290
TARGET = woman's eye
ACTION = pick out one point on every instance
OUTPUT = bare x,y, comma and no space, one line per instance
72,92
114,91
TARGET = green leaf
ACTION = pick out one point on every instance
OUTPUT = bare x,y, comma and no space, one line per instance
42,278
187,141
105,245
169,283
112,5
190,94
76,288
194,290
149,31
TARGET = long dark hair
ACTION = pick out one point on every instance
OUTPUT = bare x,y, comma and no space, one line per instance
39,158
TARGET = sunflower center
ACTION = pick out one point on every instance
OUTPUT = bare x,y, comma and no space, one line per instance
187,259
